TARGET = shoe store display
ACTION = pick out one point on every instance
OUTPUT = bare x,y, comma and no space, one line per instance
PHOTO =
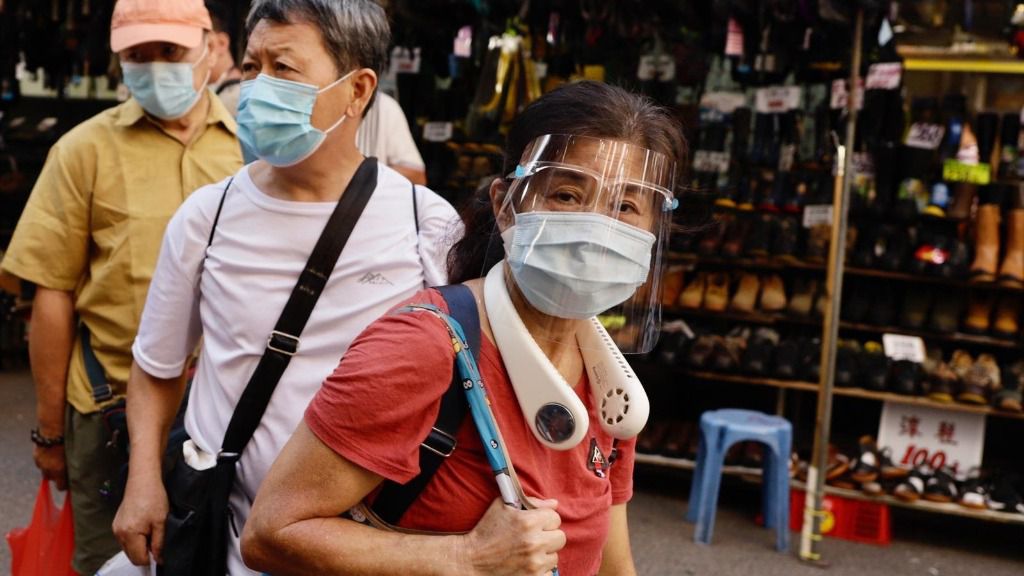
979,313
980,381
847,363
1011,272
974,490
940,381
867,466
941,487
803,297
758,355
986,244
1008,397
1004,497
912,488
671,285
874,367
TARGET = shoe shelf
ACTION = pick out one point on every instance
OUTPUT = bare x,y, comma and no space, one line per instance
851,393
923,505
796,264
754,475
768,319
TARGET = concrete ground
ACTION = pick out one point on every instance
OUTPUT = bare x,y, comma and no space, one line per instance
923,544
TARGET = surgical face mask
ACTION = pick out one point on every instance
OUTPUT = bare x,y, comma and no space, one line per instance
576,264
274,120
163,89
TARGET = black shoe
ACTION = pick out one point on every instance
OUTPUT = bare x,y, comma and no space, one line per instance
810,359
874,367
905,378
701,350
883,306
941,487
757,358
867,466
974,490
787,359
787,234
847,368
912,488
857,301
1004,497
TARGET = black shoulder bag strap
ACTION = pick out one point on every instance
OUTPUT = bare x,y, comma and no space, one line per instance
283,342
394,499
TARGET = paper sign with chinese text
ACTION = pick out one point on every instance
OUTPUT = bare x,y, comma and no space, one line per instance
922,435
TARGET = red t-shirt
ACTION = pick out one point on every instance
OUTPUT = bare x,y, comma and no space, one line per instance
383,399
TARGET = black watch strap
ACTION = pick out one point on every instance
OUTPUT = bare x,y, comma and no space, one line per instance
39,440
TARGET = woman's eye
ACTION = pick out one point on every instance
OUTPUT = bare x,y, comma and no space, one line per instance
282,67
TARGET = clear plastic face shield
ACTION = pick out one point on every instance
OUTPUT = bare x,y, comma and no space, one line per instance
584,223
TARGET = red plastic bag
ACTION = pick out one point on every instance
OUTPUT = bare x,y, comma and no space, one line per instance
44,547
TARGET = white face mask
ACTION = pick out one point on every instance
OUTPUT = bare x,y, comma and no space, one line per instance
576,264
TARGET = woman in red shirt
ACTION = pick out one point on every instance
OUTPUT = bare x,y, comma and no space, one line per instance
575,231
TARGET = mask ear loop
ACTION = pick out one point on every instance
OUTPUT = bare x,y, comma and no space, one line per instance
206,52
328,87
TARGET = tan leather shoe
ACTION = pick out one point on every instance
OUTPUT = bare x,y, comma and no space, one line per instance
773,294
693,295
1007,316
986,243
716,297
1012,271
979,312
671,285
746,294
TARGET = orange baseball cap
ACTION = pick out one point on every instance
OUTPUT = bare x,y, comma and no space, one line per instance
177,21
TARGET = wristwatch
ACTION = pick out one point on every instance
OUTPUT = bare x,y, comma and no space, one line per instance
44,442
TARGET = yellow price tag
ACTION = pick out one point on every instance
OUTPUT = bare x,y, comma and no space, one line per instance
956,171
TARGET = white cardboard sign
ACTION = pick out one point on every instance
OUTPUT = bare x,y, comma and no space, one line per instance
884,76
817,215
437,131
777,99
922,435
902,347
711,161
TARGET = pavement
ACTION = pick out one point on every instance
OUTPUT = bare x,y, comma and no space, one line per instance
923,544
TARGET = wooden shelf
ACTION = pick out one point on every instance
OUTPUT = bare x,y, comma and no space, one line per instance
853,393
771,263
923,505
966,65
755,474
770,319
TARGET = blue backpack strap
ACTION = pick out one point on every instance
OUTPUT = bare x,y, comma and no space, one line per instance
394,499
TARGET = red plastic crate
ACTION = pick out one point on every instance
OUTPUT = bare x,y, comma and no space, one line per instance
856,520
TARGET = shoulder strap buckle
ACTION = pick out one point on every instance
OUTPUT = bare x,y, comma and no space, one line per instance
283,343
440,442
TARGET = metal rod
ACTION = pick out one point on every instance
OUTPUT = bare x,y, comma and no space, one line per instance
810,536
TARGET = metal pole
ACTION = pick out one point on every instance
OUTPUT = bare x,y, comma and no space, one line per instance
810,536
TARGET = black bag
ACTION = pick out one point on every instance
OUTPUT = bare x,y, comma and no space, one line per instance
195,535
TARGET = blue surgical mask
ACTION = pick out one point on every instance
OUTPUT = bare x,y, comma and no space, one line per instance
576,264
274,120
163,89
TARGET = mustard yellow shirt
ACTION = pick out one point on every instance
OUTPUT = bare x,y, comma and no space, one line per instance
96,217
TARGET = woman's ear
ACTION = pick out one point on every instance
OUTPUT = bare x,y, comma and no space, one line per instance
498,193
364,83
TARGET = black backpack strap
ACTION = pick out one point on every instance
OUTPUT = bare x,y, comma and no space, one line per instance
394,499
283,342
220,207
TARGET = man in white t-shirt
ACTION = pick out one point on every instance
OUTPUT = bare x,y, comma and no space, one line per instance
232,254
384,133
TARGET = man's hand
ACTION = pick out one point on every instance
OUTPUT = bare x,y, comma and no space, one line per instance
139,524
514,542
51,463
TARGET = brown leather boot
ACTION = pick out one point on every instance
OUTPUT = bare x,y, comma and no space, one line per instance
986,244
979,311
1012,271
963,200
746,294
1007,316
671,285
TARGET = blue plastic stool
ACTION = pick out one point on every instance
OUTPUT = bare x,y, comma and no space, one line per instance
720,429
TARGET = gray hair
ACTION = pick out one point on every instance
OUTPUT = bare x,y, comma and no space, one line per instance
354,32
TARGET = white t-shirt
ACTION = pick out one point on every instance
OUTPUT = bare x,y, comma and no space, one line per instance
234,297
384,133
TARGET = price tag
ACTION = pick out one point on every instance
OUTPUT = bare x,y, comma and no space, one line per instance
925,136
884,76
724,102
648,67
405,61
734,39
817,215
919,435
711,161
777,99
437,131
956,171
901,347
840,95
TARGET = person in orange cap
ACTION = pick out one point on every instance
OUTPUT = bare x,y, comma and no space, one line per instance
89,239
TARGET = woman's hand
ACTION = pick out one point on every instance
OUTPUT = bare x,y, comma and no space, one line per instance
507,541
